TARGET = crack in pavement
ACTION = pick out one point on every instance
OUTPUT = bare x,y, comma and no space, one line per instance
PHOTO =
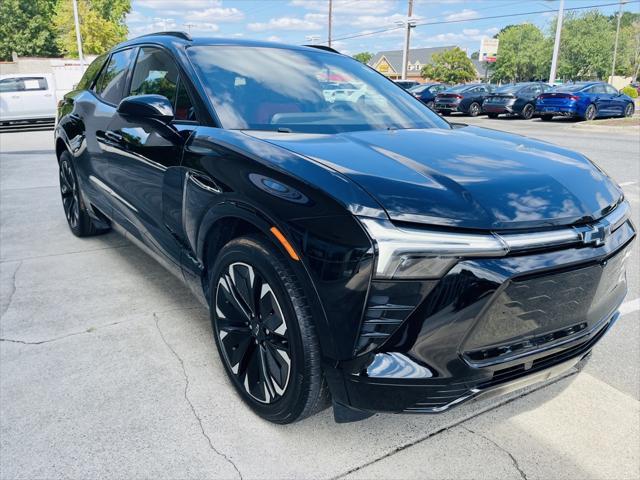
90,329
449,427
124,245
502,449
188,400
13,288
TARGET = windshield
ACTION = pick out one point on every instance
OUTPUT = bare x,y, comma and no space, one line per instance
571,88
509,88
458,88
290,90
419,88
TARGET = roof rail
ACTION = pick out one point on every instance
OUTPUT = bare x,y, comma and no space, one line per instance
323,47
183,35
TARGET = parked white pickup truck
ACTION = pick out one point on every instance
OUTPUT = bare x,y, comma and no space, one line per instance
27,98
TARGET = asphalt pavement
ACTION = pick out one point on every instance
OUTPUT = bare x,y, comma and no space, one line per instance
108,367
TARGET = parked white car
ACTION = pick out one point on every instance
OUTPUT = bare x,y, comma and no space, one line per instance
27,97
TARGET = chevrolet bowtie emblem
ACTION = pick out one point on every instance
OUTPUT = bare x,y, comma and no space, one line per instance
597,235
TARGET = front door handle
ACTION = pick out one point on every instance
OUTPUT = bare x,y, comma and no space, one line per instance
205,183
114,137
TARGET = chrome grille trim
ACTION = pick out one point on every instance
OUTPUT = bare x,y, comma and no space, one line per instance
528,241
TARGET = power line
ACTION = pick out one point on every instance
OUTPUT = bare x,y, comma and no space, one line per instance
492,17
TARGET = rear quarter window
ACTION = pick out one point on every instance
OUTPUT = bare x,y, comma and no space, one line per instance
91,72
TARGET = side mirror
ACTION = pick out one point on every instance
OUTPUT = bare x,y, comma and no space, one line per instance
147,107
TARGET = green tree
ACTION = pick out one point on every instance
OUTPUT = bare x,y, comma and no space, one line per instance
102,25
363,57
25,28
586,49
450,66
523,54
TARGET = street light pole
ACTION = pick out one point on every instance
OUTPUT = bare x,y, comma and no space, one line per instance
556,45
78,36
615,48
330,20
407,39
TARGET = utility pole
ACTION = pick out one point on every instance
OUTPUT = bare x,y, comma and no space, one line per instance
407,39
189,25
78,36
556,45
615,48
330,20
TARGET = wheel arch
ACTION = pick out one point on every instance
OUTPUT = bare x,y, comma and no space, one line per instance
227,221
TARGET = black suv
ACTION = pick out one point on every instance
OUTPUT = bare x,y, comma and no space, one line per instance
357,249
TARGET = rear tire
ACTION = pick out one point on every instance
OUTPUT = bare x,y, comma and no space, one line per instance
430,105
546,118
527,111
80,222
492,115
590,113
264,331
475,109
444,113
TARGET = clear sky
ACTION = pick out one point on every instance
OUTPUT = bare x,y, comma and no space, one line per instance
293,21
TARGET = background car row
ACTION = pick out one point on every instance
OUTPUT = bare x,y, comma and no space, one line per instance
585,100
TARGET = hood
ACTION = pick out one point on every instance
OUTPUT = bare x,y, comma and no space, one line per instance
465,177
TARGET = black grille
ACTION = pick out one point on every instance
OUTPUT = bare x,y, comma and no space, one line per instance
534,311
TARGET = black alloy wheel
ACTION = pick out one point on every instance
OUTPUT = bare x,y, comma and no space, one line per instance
527,111
264,332
628,110
80,222
70,193
474,109
253,332
590,113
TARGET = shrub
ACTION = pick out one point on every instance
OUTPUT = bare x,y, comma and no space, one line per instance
631,91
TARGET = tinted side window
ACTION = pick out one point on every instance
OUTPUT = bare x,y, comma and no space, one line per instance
91,72
597,89
156,73
11,85
110,84
611,90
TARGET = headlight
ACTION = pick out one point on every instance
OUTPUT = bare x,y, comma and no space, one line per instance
415,253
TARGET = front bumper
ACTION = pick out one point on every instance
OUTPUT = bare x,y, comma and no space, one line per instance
488,327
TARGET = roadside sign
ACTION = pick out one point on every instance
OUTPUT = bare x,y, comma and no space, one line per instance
488,50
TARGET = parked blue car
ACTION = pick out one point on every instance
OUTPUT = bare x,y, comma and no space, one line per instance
586,100
426,92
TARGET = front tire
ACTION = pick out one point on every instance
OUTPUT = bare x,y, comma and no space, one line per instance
264,331
80,222
629,110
